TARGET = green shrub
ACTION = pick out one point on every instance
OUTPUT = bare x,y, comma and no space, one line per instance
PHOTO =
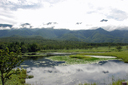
18,77
17,71
22,81
30,76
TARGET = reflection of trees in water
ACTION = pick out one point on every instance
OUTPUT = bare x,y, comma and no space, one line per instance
41,62
34,58
104,62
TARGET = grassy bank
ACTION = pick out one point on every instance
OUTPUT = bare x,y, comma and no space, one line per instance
18,77
118,82
120,55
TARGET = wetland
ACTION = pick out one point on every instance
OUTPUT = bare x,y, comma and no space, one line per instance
74,69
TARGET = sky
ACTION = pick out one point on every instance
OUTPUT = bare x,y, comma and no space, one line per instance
65,14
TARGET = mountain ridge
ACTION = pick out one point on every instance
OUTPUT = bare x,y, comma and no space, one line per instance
96,35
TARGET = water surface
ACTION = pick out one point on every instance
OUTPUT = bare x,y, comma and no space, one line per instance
47,72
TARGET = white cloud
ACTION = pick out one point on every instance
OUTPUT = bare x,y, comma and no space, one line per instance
16,4
1,28
66,13
7,17
118,15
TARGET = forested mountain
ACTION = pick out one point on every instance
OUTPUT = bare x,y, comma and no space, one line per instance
96,36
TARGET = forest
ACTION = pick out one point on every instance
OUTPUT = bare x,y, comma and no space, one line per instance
33,44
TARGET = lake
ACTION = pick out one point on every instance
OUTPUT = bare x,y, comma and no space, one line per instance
47,72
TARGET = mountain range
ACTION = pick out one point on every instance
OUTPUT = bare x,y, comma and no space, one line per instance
98,35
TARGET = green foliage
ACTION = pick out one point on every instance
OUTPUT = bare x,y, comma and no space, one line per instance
33,47
8,61
118,82
25,47
118,47
30,76
29,44
17,78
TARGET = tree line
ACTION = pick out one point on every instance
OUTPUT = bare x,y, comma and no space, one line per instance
53,45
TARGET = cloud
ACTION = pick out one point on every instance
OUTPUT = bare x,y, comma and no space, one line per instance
7,17
6,13
16,4
65,12
53,1
117,15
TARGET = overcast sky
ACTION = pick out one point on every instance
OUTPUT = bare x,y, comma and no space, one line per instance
69,14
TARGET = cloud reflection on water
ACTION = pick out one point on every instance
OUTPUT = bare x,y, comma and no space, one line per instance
73,74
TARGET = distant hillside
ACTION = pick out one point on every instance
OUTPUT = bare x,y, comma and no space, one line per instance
96,36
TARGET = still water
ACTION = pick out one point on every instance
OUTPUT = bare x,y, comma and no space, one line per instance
47,72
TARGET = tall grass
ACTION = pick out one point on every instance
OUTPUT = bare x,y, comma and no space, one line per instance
117,82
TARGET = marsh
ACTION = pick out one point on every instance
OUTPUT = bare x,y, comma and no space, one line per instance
48,72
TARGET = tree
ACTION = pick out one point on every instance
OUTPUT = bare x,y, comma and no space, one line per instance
24,49
33,47
8,61
118,47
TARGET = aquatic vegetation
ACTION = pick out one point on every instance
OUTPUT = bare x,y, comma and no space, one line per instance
24,65
30,76
88,84
118,82
77,59
80,56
